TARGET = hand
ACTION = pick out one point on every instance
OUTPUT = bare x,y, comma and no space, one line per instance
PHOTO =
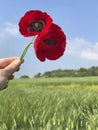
7,67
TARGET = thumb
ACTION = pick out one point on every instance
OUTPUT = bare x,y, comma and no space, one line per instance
11,68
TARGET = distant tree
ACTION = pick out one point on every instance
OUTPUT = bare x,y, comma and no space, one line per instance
24,76
37,75
92,70
82,69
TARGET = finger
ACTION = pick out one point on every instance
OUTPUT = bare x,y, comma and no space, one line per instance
6,61
3,83
11,77
11,68
18,69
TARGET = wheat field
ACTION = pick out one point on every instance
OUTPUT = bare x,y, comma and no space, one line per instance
50,104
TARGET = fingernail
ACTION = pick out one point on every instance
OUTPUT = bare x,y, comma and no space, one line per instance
22,60
17,62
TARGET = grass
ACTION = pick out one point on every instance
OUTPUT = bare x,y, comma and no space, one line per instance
50,104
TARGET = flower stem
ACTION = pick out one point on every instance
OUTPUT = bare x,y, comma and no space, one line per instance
26,48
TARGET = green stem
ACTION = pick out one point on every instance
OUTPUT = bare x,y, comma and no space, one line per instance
26,48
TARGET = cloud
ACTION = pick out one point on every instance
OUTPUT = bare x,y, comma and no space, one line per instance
90,55
83,49
11,29
9,39
8,30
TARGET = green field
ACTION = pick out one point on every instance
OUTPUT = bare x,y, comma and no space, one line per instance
50,104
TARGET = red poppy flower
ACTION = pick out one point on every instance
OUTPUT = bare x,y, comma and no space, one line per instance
34,22
50,45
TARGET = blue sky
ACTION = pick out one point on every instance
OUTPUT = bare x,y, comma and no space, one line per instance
78,19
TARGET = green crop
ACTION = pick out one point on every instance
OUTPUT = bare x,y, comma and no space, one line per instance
50,104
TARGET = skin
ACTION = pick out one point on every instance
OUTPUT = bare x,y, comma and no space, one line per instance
7,68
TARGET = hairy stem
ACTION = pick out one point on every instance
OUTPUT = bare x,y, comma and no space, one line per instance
26,48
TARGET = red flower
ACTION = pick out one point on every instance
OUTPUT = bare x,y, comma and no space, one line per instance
34,22
50,45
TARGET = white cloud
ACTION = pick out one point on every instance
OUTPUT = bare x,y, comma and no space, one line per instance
8,30
11,29
83,49
90,55
9,39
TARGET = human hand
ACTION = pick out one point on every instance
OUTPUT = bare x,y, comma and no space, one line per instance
7,67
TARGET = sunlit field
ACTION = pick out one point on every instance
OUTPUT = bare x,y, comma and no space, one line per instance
50,104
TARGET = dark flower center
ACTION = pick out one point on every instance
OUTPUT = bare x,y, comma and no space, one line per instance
49,42
36,26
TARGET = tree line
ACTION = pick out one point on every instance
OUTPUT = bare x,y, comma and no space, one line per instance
82,72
